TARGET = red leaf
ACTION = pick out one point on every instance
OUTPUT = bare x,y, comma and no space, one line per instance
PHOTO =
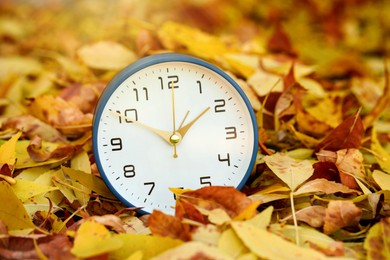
280,41
347,135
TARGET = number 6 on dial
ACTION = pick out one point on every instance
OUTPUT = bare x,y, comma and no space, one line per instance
172,120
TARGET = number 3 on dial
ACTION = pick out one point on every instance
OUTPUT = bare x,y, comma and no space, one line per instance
172,120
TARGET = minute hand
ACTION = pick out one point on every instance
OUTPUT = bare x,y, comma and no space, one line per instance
183,130
163,134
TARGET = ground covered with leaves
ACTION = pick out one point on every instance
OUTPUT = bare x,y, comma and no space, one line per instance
316,73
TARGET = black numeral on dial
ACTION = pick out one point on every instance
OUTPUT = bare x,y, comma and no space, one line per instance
226,159
152,185
205,180
116,144
172,80
220,105
231,132
130,114
129,171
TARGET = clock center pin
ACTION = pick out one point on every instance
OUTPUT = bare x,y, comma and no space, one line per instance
175,138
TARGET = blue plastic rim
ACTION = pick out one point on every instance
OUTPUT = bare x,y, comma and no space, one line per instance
146,62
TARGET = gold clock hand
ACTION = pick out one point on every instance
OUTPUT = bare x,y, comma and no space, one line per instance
183,130
184,119
165,135
174,139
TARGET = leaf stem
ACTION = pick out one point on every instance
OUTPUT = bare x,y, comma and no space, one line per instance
294,218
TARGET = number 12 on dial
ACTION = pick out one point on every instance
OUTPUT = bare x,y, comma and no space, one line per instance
172,120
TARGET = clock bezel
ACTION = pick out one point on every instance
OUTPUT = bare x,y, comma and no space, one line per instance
140,64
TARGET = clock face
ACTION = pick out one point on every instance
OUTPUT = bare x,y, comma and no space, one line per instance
171,120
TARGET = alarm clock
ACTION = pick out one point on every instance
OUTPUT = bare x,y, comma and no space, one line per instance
172,121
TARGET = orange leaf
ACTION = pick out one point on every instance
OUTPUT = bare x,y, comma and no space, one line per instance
212,197
341,214
168,226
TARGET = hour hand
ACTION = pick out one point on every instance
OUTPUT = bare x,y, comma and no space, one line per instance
163,134
183,130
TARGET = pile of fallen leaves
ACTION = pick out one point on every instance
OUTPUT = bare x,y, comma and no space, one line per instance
316,73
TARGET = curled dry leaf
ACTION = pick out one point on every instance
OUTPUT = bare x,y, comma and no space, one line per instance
324,186
168,226
349,163
213,197
340,214
313,216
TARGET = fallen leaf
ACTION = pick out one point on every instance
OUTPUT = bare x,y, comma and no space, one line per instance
231,244
290,171
90,181
93,239
323,186
262,243
12,212
341,214
382,179
168,226
382,155
212,197
106,55
27,189
377,242
193,250
8,155
150,246
346,135
313,216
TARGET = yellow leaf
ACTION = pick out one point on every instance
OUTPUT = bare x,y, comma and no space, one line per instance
382,179
263,244
150,246
90,181
8,155
230,243
289,170
197,42
27,189
93,239
106,55
81,162
263,219
12,211
377,242
381,155
193,250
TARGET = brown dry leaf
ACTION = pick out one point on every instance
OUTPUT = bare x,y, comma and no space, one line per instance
340,214
55,246
349,163
313,216
324,186
347,135
168,226
212,197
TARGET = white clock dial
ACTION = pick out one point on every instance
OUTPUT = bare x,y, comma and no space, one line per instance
172,121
